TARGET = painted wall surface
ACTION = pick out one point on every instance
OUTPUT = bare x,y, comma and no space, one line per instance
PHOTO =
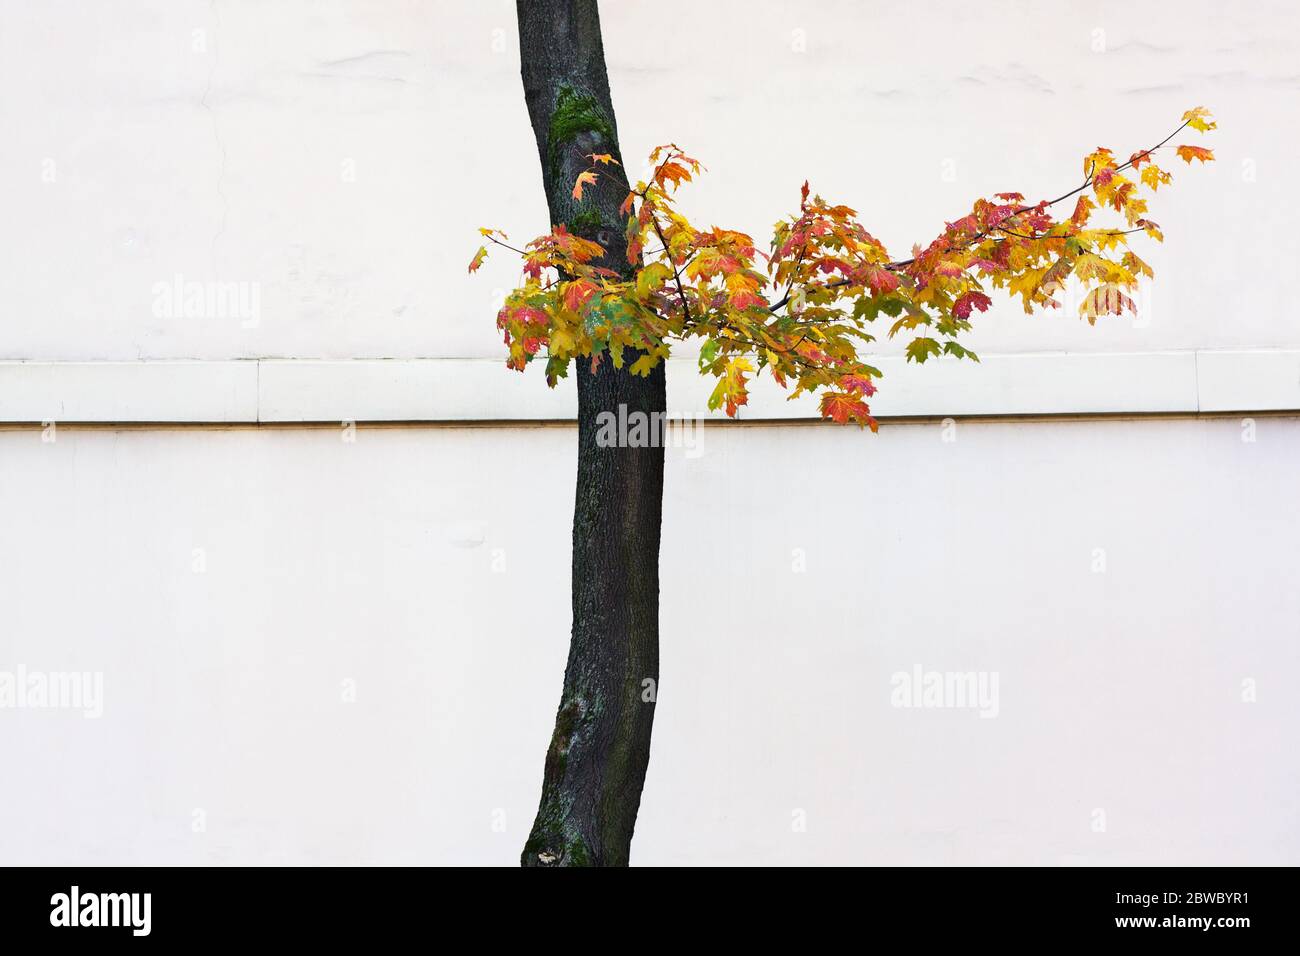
337,158
317,645
317,650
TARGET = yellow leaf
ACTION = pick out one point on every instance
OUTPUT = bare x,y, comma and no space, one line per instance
645,363
1153,176
1199,119
651,279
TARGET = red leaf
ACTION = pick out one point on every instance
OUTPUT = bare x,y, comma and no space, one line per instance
853,382
978,300
842,408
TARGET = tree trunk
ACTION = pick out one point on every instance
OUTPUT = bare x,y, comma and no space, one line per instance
596,764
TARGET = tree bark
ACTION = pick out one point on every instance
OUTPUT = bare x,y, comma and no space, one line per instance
596,763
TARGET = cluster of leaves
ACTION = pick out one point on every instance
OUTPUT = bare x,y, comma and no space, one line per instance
805,312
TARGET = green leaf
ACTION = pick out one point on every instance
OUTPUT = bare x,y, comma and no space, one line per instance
919,350
652,279
708,352
645,363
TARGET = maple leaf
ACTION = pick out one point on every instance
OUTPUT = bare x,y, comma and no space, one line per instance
745,299
853,382
731,391
920,349
674,173
584,179
478,259
1154,177
837,278
845,407
652,278
576,293
978,300
531,316
1152,229
1082,210
1189,153
1108,299
1199,119
881,281
645,363
1136,266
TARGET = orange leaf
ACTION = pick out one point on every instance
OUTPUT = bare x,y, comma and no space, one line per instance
842,408
586,178
1190,153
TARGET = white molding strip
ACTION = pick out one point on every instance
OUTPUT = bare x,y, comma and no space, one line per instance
128,391
466,390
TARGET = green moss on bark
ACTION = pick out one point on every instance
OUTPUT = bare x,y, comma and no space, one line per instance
586,220
576,112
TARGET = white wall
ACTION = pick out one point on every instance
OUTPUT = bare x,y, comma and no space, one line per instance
228,164
373,561
138,149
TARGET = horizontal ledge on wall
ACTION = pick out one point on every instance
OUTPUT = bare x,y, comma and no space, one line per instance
294,391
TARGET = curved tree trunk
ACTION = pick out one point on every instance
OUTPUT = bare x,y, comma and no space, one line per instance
597,760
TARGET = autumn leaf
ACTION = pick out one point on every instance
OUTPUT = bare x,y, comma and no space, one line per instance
845,407
802,310
478,259
1136,266
1199,119
731,392
652,278
977,300
920,349
1108,299
584,179
1082,210
672,173
1154,177
854,382
644,364
576,294
1189,153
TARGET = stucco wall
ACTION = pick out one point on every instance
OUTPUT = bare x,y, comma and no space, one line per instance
342,155
1121,579
335,645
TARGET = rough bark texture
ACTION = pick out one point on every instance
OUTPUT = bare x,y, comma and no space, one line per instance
597,760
